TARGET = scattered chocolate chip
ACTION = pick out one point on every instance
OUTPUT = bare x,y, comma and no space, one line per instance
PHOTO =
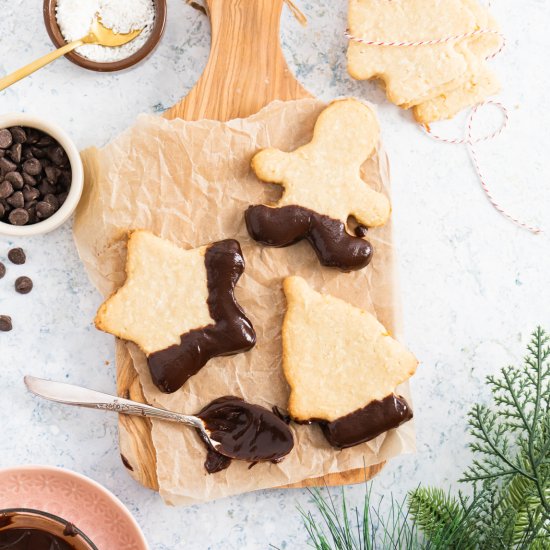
5,323
17,256
33,167
19,216
2,270
18,134
16,180
6,138
6,189
23,285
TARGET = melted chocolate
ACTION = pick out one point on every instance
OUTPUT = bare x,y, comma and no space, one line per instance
31,539
231,333
367,423
287,225
245,432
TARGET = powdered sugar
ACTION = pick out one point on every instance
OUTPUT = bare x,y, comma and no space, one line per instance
75,17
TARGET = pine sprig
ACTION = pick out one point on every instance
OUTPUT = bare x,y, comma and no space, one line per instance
509,480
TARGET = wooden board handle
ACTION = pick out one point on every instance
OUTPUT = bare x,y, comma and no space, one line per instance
246,69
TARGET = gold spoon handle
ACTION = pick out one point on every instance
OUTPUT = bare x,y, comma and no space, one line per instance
38,64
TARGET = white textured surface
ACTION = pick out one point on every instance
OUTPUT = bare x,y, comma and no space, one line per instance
473,285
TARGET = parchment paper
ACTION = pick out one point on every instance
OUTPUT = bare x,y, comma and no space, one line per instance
191,182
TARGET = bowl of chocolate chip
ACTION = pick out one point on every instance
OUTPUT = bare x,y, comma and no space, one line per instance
41,175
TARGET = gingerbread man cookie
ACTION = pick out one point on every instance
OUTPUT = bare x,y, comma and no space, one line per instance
322,188
178,306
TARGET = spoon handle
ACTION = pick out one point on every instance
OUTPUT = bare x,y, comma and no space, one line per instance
83,397
38,64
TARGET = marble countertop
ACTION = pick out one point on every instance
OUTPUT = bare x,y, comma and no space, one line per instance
473,286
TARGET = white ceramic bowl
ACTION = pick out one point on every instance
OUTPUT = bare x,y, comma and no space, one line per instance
77,183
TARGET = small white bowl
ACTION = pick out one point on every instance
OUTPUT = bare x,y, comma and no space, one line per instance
77,182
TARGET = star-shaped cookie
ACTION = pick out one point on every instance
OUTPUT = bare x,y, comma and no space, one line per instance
322,188
178,306
342,366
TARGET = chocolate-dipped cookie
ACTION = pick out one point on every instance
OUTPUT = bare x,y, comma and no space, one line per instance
342,367
179,306
323,188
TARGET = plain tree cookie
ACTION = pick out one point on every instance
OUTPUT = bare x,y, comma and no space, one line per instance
414,75
178,306
342,367
322,188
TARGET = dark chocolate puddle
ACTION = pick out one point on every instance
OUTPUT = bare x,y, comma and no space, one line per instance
33,539
287,225
366,423
245,432
231,333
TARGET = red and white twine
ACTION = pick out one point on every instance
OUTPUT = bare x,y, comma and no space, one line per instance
469,140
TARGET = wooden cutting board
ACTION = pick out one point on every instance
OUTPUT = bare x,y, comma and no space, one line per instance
246,70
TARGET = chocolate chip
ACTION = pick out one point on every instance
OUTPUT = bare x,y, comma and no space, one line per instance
18,134
6,189
19,216
17,256
29,180
16,200
46,188
5,323
30,193
6,138
7,165
2,210
33,167
39,153
31,210
52,173
65,178
32,136
2,270
62,197
45,141
16,180
15,152
57,155
44,210
23,285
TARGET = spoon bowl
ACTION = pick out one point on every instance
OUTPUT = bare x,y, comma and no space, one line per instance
56,36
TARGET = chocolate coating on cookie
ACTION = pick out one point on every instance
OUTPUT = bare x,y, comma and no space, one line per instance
366,423
287,225
231,332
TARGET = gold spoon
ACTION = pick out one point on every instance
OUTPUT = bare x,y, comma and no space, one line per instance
100,35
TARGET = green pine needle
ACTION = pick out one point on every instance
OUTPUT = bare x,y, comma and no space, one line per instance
509,479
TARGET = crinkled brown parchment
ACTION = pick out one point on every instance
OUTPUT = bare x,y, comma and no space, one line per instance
191,182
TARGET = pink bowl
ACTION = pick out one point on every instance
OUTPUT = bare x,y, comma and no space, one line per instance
76,499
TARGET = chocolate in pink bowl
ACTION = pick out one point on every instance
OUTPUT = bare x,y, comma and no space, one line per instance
23,528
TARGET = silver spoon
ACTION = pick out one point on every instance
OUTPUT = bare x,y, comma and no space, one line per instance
83,397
